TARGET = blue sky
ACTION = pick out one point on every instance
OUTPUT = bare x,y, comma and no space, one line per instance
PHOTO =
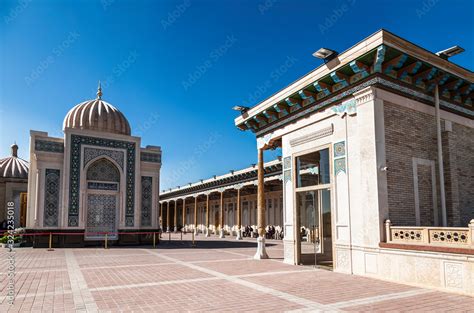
176,68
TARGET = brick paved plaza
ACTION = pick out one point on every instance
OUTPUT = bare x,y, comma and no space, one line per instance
217,275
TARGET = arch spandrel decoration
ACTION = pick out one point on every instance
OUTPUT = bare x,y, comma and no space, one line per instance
75,173
92,153
103,170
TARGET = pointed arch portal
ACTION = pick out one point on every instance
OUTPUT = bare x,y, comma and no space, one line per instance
103,186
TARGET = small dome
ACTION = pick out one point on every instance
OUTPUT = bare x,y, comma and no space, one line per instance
13,166
97,115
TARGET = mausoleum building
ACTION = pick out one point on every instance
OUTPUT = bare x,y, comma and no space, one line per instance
96,180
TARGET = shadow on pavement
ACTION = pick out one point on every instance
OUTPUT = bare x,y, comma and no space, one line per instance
205,244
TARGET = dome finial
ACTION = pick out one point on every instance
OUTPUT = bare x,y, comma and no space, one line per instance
14,150
99,91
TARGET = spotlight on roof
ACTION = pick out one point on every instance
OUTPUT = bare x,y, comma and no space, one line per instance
447,53
325,54
242,109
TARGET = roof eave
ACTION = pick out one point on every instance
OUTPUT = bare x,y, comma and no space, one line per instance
381,37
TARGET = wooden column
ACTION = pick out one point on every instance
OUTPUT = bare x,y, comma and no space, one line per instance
261,196
161,215
184,212
261,253
207,215
239,213
195,214
168,216
175,212
239,216
221,222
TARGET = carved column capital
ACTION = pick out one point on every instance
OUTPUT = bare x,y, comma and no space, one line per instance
365,95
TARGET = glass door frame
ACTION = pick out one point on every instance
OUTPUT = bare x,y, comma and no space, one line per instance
315,188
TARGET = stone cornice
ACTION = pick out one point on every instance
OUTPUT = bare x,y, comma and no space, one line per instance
313,136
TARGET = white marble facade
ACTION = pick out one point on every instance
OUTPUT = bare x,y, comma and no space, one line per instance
354,133
97,178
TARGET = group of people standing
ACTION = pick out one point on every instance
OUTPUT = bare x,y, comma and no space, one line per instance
271,232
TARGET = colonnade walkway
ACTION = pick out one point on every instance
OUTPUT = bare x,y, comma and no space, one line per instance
216,275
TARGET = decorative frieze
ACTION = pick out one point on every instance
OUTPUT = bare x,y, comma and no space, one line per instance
346,107
351,91
102,186
317,107
49,146
150,157
364,95
327,131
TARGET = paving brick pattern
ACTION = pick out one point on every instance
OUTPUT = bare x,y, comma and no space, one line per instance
217,275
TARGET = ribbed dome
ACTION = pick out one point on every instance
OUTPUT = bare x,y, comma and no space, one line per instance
97,115
13,166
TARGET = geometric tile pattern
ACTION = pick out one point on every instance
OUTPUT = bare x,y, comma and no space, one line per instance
339,157
49,146
102,186
51,198
103,170
147,192
339,166
150,157
74,183
101,216
339,149
92,153
287,163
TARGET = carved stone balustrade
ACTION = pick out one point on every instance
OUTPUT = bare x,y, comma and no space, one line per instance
456,237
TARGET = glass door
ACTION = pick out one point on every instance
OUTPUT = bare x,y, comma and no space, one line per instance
313,209
308,225
314,227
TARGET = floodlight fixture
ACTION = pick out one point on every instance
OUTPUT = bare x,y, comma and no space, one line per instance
242,109
325,54
447,53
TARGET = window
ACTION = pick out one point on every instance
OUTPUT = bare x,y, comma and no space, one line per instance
312,169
